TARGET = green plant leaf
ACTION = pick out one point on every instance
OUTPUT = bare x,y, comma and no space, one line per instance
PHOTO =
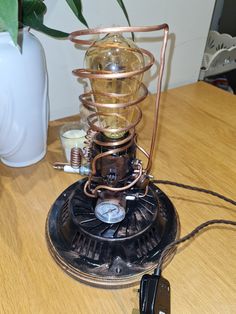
31,7
9,17
77,8
35,22
33,13
121,4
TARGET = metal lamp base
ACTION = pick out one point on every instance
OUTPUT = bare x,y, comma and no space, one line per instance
109,255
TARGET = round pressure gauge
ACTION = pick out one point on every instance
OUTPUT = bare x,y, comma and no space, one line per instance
109,212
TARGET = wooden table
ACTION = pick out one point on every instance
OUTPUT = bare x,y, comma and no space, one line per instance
196,145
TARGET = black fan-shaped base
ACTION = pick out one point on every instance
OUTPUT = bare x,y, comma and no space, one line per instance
104,254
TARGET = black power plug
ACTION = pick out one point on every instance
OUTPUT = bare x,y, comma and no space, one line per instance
154,295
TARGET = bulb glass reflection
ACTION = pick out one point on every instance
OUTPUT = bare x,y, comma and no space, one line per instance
114,54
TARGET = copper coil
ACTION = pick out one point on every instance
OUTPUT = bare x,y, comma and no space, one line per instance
93,120
96,74
93,74
76,155
87,98
130,135
73,36
87,101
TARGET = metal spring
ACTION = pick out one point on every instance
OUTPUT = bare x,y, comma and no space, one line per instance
87,150
76,155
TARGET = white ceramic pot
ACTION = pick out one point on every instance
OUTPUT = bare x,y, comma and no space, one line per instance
23,101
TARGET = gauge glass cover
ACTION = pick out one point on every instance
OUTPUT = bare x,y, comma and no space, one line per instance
109,212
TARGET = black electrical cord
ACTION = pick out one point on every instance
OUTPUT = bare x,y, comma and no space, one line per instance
154,296
190,235
194,188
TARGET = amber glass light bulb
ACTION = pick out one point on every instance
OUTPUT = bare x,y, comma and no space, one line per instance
114,54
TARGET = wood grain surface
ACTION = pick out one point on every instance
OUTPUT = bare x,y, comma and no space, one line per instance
196,145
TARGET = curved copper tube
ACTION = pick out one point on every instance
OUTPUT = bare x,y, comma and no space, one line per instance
145,192
116,143
86,99
85,189
126,187
107,30
157,103
140,148
95,74
92,119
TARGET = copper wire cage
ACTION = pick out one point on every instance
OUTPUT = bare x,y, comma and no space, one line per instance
86,100
85,248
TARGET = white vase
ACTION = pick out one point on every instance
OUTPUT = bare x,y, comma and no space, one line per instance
23,100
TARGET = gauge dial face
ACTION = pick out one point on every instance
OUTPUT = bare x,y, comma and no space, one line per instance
109,212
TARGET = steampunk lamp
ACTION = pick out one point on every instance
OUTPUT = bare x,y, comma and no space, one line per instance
110,228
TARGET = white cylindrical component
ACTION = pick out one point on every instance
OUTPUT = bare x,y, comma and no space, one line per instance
23,99
83,170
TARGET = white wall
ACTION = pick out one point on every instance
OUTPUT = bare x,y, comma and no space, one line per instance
189,22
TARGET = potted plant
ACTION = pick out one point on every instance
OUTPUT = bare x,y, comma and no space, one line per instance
23,79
